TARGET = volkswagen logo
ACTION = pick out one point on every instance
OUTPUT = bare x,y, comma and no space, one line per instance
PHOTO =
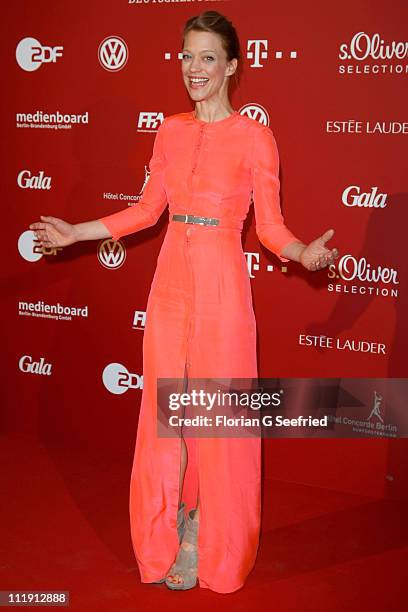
257,112
111,253
113,53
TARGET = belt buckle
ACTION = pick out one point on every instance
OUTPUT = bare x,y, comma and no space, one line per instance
212,221
203,220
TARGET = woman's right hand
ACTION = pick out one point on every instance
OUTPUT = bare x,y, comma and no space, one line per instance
54,232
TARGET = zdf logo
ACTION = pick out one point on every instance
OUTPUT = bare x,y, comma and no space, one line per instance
117,379
113,53
30,250
30,54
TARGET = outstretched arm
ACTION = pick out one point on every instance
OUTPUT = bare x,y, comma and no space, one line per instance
55,232
270,227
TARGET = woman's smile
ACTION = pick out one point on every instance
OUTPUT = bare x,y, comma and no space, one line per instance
197,82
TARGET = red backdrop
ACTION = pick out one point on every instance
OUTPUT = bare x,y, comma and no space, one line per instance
330,81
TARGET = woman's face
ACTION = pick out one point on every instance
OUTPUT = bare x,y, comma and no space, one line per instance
204,66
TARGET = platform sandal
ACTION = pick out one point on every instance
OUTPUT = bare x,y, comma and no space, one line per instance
186,563
181,527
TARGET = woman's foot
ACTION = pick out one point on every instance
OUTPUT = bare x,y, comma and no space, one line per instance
183,573
181,527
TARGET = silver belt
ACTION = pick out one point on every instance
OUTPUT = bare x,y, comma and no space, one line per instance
192,219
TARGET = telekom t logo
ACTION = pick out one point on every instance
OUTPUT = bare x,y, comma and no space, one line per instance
252,262
257,54
257,50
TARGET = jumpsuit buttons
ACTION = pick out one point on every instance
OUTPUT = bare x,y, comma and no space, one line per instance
191,301
192,444
189,232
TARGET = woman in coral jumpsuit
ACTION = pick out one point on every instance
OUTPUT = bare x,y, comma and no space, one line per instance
200,321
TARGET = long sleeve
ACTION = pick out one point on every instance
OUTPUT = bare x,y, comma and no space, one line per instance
152,202
270,227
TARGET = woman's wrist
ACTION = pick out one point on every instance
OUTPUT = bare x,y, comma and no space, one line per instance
90,230
78,233
294,250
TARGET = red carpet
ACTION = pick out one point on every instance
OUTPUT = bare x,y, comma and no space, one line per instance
65,527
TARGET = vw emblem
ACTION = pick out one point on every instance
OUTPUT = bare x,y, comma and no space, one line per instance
111,253
257,112
113,53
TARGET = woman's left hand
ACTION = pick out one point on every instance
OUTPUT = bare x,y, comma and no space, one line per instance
316,256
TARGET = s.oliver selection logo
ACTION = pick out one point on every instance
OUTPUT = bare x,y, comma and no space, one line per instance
354,196
359,276
111,253
363,48
31,54
26,180
117,379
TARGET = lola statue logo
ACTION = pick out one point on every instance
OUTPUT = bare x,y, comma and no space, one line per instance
376,410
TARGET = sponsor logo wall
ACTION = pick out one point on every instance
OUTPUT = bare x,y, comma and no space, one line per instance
84,106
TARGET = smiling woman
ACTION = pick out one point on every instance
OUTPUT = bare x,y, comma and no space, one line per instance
208,166
210,56
200,319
